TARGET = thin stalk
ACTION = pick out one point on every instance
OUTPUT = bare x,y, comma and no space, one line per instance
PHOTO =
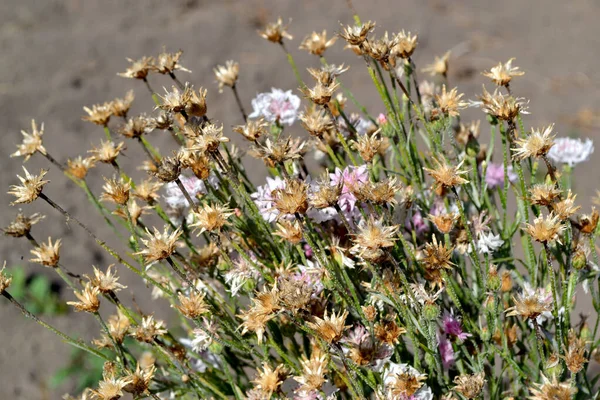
239,102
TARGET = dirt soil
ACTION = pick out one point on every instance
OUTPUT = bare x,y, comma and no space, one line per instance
59,55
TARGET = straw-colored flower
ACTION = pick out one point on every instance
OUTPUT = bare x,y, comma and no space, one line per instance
439,66
552,390
316,43
369,145
116,191
253,129
138,69
292,198
210,218
107,152
159,245
449,102
277,152
405,45
139,381
575,353
537,144
79,166
106,282
134,210
531,304
32,142
290,231
47,254
192,306
545,229
502,74
566,208
269,380
313,372
210,139
148,330
147,190
22,224
5,280
110,388
446,176
88,299
30,188
119,107
331,327
355,35
137,126
275,32
168,63
99,114
470,386
168,169
227,75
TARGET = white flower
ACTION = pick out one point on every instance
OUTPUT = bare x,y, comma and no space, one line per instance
177,205
241,273
571,151
276,106
488,243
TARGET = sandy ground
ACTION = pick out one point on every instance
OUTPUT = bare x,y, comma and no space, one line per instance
60,55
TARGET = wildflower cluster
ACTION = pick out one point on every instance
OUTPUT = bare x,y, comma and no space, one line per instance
399,271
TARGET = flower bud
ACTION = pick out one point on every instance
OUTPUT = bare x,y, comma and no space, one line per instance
431,312
215,347
579,259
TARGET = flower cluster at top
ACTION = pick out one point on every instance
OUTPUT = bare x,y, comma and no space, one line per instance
388,253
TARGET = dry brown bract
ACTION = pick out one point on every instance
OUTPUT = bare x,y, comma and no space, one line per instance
446,176
30,188
116,191
268,380
545,229
32,142
355,35
566,208
107,152
99,114
253,129
552,390
503,107
537,144
106,282
316,43
147,190
21,225
470,386
227,74
88,299
210,218
79,166
192,306
168,63
138,69
134,210
330,328
210,139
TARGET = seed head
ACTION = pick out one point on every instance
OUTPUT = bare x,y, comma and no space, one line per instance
118,326
159,245
320,94
355,35
545,229
290,231
138,69
110,388
139,381
99,114
176,100
168,169
192,306
379,49
210,218
120,107
106,282
587,223
253,129
275,32
316,43
32,142
79,166
134,210
227,75
330,328
163,121
313,372
210,139
325,194
116,191
372,237
502,74
107,152
293,294
449,102
196,105
504,107
536,145
279,151
446,176
316,122
197,162
256,322
388,332
552,390
268,380
5,280
30,188
439,66
292,198
137,126
404,381
405,45
47,254
369,145
168,63
531,304
470,386
147,190
437,257
21,225
566,208
148,330
544,194
88,299
444,222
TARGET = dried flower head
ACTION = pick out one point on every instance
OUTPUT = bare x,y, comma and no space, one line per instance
566,208
176,100
449,102
30,188
545,229
99,114
5,280
275,32
355,35
133,210
210,139
79,166
163,121
147,190
290,231
210,218
326,75
116,191
388,332
110,387
107,152
330,328
504,107
530,304
544,194
138,69
47,254
255,321
292,198
502,74
444,222
320,94
120,107
379,49
253,129
313,372
168,169
139,381
137,126
192,306
537,144
587,223
148,330
446,176
470,386
316,122
372,237
403,381
196,106
168,63
405,45
106,282
439,66
32,142
159,245
437,257
268,380
552,390
575,353
227,74
88,299
369,145
467,133
22,224
316,43
279,151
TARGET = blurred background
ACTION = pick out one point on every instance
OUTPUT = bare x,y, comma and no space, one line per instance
58,56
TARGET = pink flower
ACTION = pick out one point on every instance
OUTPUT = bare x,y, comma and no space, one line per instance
382,119
308,251
452,326
276,106
349,178
446,351
416,223
494,175
571,151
